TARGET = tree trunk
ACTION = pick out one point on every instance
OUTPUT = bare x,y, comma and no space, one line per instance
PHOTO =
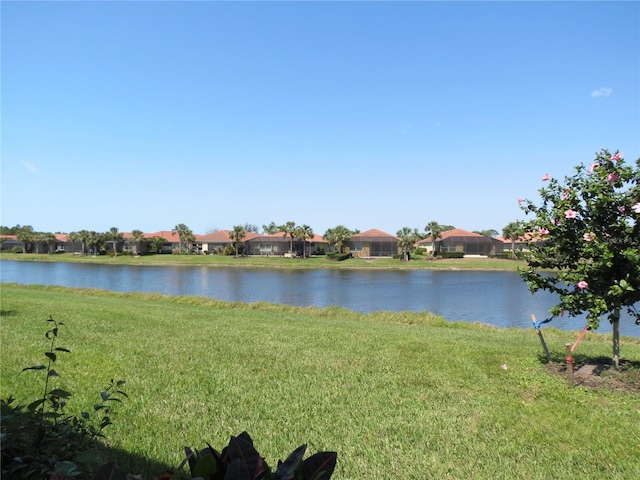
615,322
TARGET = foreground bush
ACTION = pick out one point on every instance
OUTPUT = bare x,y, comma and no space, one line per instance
40,440
240,460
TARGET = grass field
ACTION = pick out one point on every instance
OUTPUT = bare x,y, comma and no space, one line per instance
397,395
417,262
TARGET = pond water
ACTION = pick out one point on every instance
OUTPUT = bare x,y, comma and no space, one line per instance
497,298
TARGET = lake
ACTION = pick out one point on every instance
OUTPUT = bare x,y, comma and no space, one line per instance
497,298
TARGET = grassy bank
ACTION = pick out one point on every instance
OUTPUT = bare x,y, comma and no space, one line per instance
417,262
397,395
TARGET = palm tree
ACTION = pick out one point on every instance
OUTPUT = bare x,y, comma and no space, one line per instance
26,235
84,237
235,235
95,240
50,239
304,233
115,237
73,237
185,235
138,237
487,233
270,229
512,231
289,229
408,239
434,230
338,236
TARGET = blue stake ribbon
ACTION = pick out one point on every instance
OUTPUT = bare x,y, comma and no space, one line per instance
537,324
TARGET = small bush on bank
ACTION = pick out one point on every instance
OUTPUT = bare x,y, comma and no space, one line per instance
338,257
450,254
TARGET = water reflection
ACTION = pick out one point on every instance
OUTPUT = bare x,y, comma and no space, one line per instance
497,298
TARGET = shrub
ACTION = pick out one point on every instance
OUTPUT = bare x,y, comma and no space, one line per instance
452,254
338,257
240,460
40,440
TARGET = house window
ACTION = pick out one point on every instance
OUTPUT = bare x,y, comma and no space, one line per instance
356,247
266,248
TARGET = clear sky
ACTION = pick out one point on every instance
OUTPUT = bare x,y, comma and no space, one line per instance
144,115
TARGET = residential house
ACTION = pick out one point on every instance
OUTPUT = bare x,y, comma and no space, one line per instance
520,244
280,244
458,240
216,242
8,242
372,243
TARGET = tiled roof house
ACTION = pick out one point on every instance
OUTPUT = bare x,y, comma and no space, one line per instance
458,240
372,243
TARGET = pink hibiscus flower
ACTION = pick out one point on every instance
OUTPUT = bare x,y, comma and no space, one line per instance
582,285
570,214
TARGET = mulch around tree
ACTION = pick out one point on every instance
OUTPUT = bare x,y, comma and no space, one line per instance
600,374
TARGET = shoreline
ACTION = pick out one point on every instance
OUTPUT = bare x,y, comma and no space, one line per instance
320,262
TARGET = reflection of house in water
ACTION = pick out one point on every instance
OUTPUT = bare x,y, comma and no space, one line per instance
458,240
372,243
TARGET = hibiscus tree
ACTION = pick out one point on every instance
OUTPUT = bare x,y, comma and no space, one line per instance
586,242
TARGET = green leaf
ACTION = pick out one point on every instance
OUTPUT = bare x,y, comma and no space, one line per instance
60,349
60,393
53,373
32,407
205,467
51,356
37,367
105,395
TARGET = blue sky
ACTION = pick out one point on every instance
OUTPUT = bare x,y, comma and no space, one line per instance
143,115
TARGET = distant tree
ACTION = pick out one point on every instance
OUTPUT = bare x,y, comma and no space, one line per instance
27,236
270,229
156,244
235,235
434,230
289,229
251,228
487,233
95,241
588,242
73,237
513,231
337,237
304,233
115,237
49,239
185,236
138,238
408,238
84,237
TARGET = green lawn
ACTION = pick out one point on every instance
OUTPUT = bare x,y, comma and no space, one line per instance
417,262
397,395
